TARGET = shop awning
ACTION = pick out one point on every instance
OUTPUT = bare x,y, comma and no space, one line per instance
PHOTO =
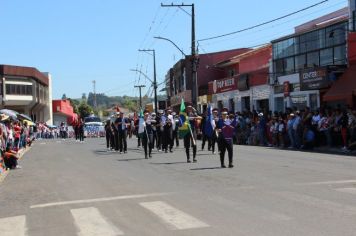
343,88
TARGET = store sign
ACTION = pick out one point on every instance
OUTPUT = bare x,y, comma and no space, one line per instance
286,89
314,79
224,85
299,99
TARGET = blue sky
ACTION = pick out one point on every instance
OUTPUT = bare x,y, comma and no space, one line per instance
81,41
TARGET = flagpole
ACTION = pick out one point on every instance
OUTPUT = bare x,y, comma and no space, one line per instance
191,133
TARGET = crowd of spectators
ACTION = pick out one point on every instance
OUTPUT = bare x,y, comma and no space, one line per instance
15,135
298,129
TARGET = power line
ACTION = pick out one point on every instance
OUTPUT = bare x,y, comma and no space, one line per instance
264,23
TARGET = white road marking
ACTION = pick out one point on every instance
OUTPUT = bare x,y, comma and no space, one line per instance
98,200
347,190
175,218
13,226
330,182
42,143
319,203
91,223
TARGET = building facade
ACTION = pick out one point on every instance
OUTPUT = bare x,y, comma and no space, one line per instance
63,112
307,63
245,85
28,91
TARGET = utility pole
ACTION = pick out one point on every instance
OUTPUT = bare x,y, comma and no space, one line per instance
154,75
94,90
194,55
140,87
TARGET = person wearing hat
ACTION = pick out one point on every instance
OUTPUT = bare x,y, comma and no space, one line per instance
147,136
215,137
154,128
190,139
226,131
108,134
168,132
122,128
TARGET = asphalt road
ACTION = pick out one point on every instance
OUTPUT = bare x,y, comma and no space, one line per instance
67,188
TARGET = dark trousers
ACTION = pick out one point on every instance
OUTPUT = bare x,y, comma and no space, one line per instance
226,146
147,143
10,162
204,139
159,138
108,139
175,137
76,133
167,139
188,142
116,140
81,135
123,141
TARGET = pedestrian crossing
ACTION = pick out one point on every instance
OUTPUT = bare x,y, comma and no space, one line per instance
91,221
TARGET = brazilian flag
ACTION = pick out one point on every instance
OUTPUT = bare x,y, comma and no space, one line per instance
184,125
141,126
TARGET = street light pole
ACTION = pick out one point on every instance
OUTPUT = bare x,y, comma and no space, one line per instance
194,56
140,87
154,74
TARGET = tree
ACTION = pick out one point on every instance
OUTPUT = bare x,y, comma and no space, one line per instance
74,103
64,96
84,109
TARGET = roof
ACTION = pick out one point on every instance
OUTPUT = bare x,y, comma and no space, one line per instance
318,23
239,57
344,88
24,72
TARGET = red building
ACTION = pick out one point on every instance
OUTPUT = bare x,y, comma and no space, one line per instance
63,112
245,83
179,78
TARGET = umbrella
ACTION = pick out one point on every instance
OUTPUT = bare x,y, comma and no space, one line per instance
23,117
8,112
29,123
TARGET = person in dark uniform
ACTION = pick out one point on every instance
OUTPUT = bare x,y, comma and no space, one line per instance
115,128
205,136
226,130
122,127
108,134
190,139
81,130
147,136
168,132
154,129
159,130
76,129
175,130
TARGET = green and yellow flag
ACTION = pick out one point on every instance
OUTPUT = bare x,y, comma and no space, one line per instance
184,125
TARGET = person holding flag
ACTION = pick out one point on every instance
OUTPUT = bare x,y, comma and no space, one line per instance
187,130
145,131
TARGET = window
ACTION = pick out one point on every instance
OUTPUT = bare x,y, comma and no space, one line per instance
18,89
313,59
312,41
340,55
326,57
289,64
300,62
335,34
278,66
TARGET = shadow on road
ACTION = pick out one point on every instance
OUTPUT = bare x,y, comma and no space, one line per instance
131,159
206,168
167,163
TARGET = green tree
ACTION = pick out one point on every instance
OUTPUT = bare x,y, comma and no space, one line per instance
84,97
84,109
74,103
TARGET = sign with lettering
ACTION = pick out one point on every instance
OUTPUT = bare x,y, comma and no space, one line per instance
224,85
286,89
315,78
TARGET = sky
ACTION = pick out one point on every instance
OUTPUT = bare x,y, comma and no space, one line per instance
78,41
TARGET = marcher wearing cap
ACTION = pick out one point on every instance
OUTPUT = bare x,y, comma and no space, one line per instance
190,139
147,136
215,137
226,131
175,131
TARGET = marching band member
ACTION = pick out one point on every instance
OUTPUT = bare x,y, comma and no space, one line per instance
147,136
215,136
175,129
190,139
168,132
226,130
122,128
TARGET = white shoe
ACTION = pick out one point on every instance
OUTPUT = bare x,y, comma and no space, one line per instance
18,167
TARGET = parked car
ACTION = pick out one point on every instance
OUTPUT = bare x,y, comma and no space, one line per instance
93,127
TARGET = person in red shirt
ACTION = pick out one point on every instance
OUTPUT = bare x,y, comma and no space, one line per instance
17,134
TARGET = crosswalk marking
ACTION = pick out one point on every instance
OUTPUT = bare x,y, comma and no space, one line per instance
13,226
175,218
347,190
91,223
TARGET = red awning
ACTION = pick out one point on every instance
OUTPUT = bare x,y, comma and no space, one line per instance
344,88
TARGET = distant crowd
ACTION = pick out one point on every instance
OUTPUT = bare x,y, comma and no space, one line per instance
294,129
